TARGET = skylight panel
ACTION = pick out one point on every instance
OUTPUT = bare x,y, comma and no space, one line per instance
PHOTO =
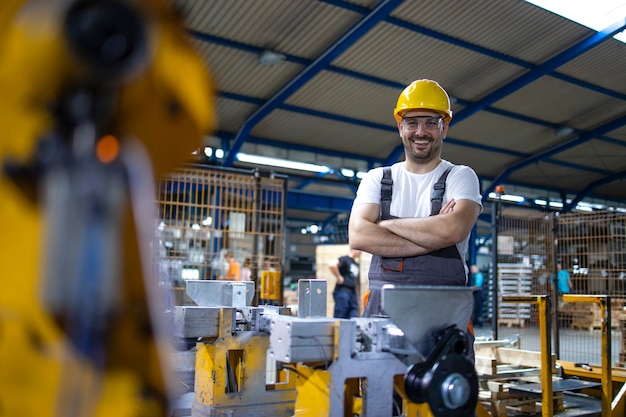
596,15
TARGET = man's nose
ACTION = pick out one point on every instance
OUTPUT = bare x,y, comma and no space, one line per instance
420,128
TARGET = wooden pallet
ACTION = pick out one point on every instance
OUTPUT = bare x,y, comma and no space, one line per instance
501,400
521,323
498,367
503,363
586,316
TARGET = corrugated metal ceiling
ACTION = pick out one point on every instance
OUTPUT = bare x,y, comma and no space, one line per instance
517,73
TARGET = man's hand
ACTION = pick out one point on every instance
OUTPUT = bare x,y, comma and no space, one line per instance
365,233
448,207
453,224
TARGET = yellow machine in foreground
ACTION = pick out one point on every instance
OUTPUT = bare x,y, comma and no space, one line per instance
93,110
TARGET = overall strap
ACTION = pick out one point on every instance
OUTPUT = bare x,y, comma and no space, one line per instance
385,193
436,197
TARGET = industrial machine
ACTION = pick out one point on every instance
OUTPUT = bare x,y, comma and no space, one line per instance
234,375
350,367
93,112
263,361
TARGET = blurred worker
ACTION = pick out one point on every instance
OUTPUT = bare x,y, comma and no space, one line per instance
346,270
478,280
234,268
416,239
563,286
246,270
563,280
267,265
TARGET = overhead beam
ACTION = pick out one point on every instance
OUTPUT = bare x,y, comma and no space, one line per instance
546,68
504,175
474,48
592,186
537,72
374,161
341,45
398,86
299,200
395,154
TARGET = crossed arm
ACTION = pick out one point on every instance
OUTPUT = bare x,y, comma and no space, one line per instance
410,236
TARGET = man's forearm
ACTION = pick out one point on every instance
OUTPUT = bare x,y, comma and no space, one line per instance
448,228
419,231
380,241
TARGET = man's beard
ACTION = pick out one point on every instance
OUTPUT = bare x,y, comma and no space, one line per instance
425,156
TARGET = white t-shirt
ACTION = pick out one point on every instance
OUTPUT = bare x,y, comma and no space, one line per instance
412,192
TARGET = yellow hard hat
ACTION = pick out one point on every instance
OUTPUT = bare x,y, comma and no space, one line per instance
424,94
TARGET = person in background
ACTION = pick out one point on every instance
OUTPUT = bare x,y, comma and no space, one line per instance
234,268
478,280
246,271
563,286
563,280
267,265
346,270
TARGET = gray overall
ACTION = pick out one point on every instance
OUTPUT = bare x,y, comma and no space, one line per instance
441,267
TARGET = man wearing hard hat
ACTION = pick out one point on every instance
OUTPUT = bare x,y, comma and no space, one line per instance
416,216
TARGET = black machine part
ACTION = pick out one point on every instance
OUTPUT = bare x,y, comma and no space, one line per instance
447,380
109,37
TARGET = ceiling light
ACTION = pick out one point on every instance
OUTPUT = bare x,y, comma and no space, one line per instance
346,172
508,197
281,163
593,206
564,131
596,15
271,58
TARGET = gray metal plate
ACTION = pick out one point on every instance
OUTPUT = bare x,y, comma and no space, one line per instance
205,293
419,310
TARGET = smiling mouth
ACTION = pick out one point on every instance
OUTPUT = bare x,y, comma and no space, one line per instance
420,142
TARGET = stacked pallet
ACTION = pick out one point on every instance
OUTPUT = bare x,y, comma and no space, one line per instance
580,315
513,279
586,316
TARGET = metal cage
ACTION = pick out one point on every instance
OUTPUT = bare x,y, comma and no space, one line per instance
590,246
206,212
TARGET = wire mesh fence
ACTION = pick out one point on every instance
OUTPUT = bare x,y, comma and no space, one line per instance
207,214
541,252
